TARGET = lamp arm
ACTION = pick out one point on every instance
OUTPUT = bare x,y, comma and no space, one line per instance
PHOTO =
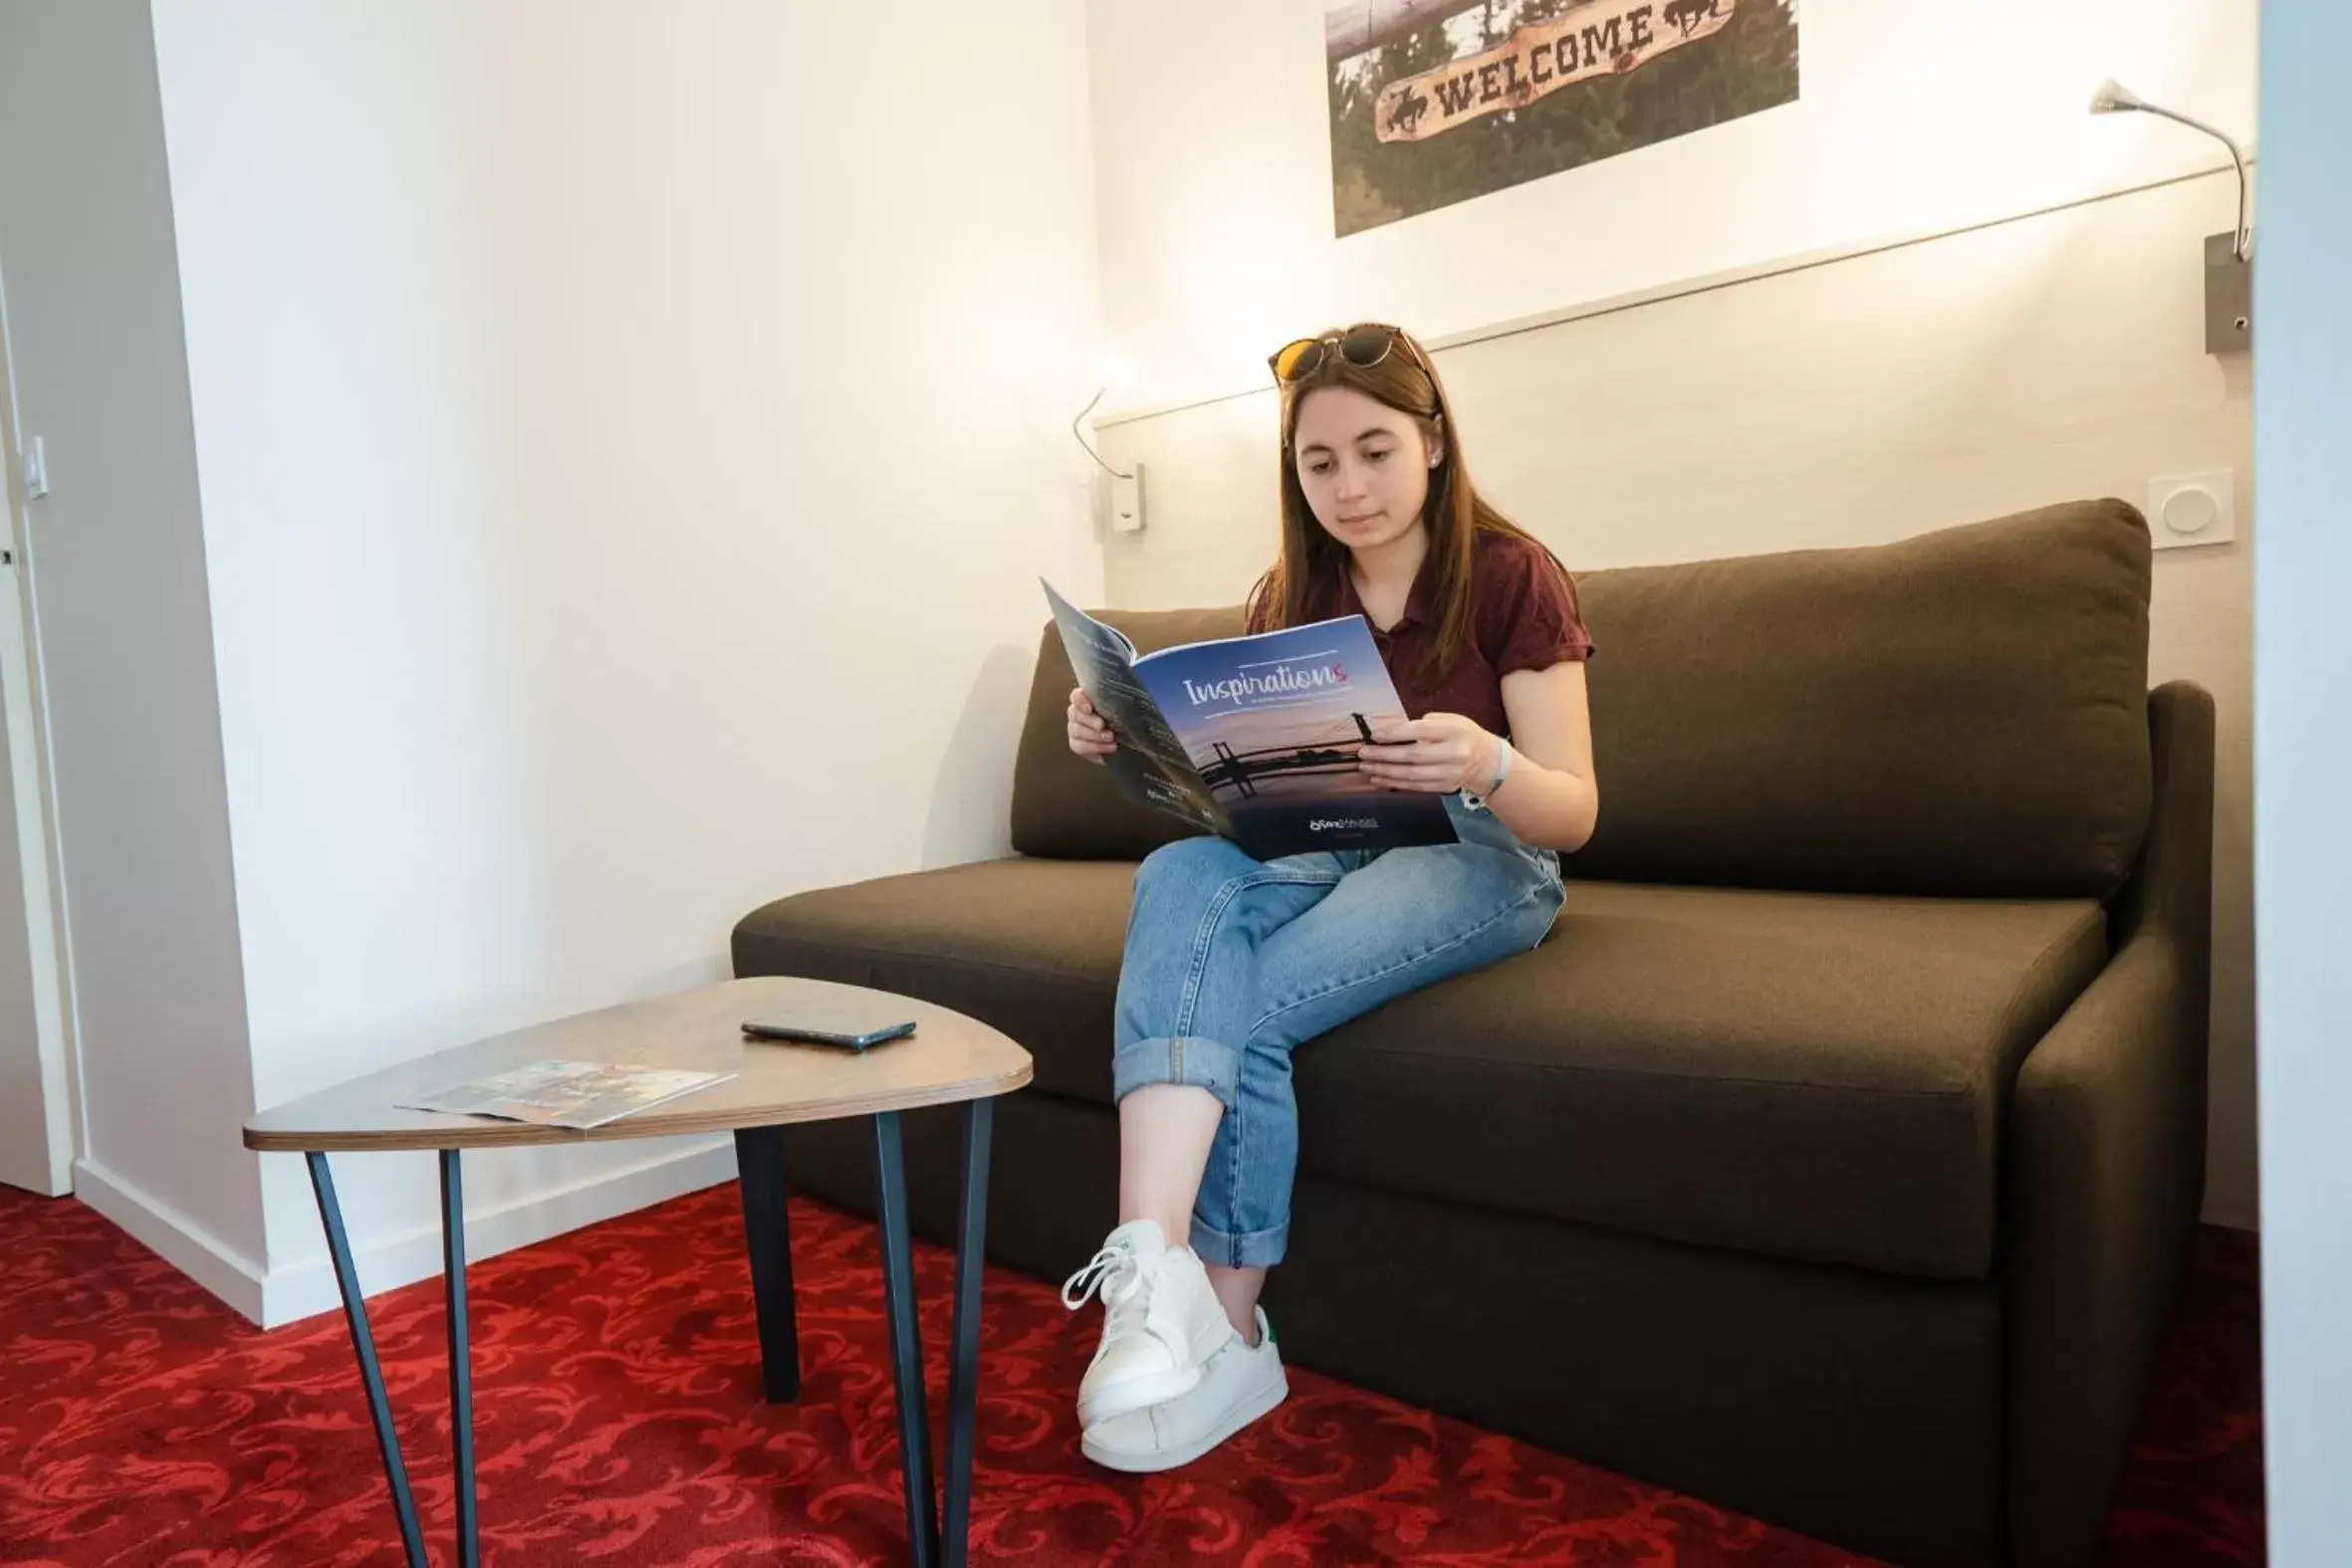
2242,239
1090,452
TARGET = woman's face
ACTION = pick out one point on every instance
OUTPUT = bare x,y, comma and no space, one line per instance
1364,466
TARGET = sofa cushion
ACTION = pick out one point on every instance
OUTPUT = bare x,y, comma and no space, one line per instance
1797,1074
1029,946
1962,713
1965,712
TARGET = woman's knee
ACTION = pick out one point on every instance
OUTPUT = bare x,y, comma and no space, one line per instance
1188,865
1543,913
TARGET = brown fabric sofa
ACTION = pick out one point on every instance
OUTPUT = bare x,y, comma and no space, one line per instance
1834,1159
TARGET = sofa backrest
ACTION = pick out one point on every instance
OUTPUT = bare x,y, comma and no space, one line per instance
1959,713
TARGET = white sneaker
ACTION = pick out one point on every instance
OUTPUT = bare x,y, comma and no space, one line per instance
1161,1322
1239,1383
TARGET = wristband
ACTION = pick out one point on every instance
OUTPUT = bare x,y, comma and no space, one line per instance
1477,801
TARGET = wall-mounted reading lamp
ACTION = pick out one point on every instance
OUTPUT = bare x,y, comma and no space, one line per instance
1126,489
2229,258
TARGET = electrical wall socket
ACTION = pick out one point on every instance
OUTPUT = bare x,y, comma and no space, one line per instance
1126,501
2193,509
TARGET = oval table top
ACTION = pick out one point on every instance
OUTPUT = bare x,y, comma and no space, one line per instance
949,1058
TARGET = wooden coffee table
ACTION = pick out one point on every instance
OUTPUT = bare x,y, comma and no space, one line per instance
950,1059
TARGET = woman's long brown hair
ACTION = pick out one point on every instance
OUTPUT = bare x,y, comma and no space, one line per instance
1455,514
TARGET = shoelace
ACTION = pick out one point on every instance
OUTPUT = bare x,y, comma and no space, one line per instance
1114,1271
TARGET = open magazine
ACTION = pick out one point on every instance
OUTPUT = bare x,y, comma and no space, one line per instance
567,1093
1254,738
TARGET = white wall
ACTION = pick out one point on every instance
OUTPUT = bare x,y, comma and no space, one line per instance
117,571
630,438
2302,578
1213,142
1848,403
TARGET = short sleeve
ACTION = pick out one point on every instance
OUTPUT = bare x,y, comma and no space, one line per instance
1529,617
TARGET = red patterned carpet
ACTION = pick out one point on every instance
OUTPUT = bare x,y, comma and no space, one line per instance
620,1423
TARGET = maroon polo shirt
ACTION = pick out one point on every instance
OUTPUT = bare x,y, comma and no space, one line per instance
1523,617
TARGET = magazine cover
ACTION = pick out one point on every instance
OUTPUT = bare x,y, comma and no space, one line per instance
578,1094
1254,738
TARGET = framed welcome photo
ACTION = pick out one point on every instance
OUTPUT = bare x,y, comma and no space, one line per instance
1434,102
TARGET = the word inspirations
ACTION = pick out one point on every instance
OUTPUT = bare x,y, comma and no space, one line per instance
1273,683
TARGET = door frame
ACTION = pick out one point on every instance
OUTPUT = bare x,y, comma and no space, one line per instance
31,787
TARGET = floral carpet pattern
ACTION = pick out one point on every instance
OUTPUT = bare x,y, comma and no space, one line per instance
619,1421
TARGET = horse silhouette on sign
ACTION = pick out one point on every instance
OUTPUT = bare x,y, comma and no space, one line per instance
1405,113
1688,14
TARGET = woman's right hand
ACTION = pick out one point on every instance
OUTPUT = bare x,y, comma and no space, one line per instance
1089,732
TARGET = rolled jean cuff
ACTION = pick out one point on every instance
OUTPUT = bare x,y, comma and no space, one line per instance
1183,1059
1252,1249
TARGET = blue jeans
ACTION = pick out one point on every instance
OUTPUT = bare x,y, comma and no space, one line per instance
1232,962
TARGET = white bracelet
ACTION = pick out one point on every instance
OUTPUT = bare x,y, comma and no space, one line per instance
1477,801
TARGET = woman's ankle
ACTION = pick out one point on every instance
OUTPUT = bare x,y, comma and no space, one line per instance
1237,1290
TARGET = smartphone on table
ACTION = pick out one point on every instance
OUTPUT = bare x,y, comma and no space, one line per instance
810,1033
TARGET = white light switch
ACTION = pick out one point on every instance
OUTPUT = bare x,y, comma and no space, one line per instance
2193,509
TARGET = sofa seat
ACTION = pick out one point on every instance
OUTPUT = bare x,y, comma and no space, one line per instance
1802,1075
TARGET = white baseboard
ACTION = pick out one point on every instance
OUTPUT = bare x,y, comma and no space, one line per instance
291,1292
174,1236
299,1290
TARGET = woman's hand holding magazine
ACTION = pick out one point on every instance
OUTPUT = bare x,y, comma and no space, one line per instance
1089,732
1439,751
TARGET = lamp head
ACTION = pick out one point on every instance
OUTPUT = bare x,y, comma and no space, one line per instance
2113,98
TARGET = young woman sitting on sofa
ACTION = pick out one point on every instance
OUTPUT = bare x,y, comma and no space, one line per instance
1232,962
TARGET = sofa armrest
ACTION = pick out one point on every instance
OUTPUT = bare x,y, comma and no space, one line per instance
2171,887
2105,1173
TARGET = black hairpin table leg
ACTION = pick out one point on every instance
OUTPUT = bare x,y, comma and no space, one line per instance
461,1366
963,1375
379,1407
906,1345
767,1233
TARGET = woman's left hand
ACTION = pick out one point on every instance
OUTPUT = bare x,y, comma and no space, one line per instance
1439,753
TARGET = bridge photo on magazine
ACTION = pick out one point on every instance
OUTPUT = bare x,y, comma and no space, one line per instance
1254,738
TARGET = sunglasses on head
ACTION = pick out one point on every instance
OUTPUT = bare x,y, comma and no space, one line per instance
1361,347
